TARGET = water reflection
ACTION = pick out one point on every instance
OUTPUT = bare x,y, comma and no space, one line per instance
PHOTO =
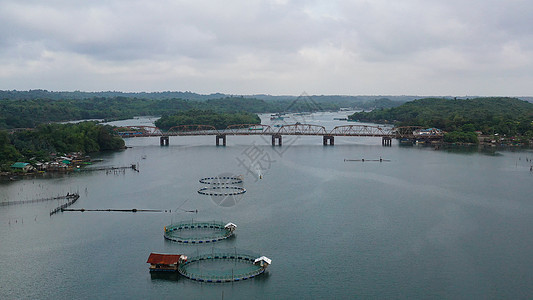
168,276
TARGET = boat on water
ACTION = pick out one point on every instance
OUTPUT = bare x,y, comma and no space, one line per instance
277,116
406,141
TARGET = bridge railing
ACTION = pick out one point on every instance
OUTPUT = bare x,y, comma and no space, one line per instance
405,131
262,129
247,129
138,131
361,130
301,129
193,130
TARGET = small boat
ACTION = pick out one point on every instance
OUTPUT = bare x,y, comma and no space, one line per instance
406,141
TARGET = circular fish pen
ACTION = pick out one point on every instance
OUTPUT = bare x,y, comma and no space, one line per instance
221,180
191,232
222,191
223,267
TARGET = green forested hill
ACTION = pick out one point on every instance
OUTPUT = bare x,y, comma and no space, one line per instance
509,116
37,144
30,113
201,117
27,109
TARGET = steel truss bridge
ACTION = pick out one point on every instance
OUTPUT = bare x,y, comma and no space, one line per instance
386,133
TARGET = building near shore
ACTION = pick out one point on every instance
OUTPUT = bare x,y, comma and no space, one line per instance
24,167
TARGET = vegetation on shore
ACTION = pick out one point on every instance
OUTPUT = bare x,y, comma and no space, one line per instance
206,117
460,118
37,144
31,108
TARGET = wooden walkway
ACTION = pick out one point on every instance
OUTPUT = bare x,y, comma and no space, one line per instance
35,200
72,198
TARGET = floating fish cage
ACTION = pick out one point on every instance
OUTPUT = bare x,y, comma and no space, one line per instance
222,191
194,232
221,180
223,267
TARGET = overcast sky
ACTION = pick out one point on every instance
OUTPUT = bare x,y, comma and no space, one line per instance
279,47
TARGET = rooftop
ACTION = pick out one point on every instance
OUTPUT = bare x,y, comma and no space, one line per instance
19,165
263,258
164,259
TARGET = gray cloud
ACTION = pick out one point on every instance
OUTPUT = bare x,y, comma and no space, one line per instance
336,47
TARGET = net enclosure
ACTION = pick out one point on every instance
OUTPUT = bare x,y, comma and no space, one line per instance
222,190
225,266
199,232
221,180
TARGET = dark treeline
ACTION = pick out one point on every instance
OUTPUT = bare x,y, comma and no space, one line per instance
460,117
79,95
37,144
28,113
202,117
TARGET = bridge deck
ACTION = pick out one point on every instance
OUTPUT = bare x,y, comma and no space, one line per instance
290,129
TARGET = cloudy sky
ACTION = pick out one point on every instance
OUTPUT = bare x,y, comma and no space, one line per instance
279,47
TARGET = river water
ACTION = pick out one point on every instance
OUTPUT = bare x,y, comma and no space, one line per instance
426,224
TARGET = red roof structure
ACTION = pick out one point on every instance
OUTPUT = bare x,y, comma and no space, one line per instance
163,259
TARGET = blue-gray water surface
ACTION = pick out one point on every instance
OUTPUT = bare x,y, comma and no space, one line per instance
426,224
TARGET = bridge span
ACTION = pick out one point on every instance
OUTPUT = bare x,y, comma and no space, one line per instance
276,133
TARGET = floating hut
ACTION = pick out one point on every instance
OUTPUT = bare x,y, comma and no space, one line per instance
230,226
263,261
165,262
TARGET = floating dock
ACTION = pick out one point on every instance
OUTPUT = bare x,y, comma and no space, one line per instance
165,262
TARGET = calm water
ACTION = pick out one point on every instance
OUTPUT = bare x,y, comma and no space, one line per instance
427,224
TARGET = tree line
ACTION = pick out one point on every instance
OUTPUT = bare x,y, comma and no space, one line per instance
27,109
460,118
206,117
37,144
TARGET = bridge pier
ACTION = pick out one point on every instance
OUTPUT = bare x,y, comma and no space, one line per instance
386,141
164,140
221,137
274,137
329,138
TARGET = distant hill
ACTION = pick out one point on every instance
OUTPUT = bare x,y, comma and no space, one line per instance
27,109
78,95
33,107
508,116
